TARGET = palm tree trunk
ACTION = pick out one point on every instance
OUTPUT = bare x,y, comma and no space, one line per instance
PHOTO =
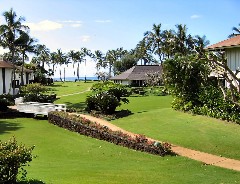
64,74
22,82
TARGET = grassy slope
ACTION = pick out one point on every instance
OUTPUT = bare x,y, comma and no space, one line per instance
66,157
154,117
61,88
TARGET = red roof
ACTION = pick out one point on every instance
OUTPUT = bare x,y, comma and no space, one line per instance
4,64
229,43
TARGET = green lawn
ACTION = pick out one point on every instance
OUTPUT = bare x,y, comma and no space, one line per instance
61,88
68,158
154,117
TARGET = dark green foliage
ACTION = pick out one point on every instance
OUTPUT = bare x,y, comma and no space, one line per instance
126,62
37,93
187,79
42,98
85,127
184,76
12,158
103,101
6,100
106,97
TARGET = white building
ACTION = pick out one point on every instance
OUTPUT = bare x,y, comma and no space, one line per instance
231,47
6,77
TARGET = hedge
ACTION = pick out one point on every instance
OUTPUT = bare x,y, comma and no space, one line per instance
85,127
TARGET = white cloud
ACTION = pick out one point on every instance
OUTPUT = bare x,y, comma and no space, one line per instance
45,25
76,25
85,38
72,21
195,16
103,21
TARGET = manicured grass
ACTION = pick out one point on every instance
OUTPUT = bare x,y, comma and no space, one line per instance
154,117
64,88
66,157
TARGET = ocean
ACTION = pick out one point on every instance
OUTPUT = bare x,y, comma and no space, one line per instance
75,78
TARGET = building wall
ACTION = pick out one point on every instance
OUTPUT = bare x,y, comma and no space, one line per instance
233,58
123,82
8,80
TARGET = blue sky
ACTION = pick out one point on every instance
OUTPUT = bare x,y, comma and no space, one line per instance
109,24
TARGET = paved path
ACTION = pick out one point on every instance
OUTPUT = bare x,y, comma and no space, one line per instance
206,158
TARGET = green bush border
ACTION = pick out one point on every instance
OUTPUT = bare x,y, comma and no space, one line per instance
75,123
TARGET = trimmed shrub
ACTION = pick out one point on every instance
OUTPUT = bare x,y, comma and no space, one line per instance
83,126
106,97
12,158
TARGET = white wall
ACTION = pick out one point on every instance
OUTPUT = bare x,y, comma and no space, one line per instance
8,79
233,58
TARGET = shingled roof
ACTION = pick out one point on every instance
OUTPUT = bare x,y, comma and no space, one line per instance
137,72
229,43
4,64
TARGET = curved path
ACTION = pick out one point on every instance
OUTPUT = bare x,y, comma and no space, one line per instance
206,158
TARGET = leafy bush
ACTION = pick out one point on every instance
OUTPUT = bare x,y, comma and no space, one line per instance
106,97
12,158
83,126
187,78
42,98
6,100
37,93
33,88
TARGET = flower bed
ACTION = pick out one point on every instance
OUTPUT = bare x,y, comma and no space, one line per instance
83,126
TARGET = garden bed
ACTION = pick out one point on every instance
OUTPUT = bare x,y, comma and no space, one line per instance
83,126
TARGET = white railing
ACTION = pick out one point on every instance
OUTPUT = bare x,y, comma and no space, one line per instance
37,108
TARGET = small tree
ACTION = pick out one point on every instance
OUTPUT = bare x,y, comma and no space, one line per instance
12,158
106,97
184,76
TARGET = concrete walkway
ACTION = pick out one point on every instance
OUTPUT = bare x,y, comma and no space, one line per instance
206,158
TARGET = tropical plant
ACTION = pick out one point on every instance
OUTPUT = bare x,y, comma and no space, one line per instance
154,40
236,30
62,59
26,44
13,157
10,33
126,62
106,97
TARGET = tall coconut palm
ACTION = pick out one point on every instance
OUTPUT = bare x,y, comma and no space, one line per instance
26,45
62,59
99,58
143,52
43,55
154,39
86,53
9,33
53,61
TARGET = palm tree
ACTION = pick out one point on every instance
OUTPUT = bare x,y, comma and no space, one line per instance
86,52
43,54
53,61
99,58
154,40
9,33
61,60
237,30
26,45
143,52
184,43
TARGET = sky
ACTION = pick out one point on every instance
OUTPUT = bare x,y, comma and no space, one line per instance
110,24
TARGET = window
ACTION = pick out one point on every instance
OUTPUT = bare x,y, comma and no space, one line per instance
15,83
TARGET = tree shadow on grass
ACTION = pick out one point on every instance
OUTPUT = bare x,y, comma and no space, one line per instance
123,113
6,127
80,105
31,182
